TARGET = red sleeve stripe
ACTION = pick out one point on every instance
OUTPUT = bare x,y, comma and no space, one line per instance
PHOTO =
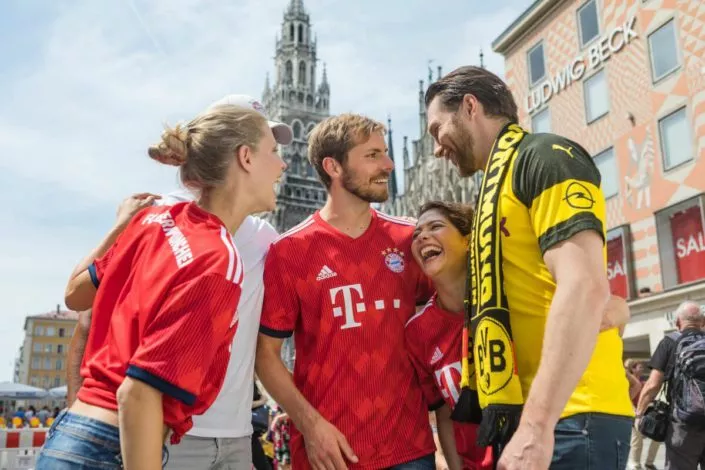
308,221
395,220
228,242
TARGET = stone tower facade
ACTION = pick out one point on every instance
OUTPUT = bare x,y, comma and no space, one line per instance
296,98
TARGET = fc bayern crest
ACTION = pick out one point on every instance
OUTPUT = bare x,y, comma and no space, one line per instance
394,259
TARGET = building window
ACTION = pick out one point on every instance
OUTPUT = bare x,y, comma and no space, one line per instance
681,242
597,100
296,127
36,363
37,347
541,122
51,331
607,164
664,51
39,331
588,22
33,381
59,364
57,381
537,64
47,364
676,141
46,381
619,262
60,348
47,348
62,332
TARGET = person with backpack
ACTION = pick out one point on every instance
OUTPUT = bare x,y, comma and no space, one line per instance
679,362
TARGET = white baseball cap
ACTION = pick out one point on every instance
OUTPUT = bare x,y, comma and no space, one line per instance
282,132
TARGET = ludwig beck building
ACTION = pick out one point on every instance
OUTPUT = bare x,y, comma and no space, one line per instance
626,79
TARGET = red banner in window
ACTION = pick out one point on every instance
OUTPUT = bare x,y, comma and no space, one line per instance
689,244
617,267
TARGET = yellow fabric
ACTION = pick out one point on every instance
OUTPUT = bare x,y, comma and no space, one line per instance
530,288
497,380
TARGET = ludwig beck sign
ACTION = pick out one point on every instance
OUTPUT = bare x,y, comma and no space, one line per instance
597,54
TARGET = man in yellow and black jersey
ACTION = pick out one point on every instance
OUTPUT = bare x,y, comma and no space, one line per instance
551,386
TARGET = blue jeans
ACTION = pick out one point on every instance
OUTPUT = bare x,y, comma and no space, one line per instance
592,441
75,442
424,463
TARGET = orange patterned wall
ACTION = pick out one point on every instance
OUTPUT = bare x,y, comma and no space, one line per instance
644,186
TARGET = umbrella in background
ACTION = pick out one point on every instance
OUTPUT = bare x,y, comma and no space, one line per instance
16,391
58,392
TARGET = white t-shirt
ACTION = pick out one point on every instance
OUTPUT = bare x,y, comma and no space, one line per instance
230,415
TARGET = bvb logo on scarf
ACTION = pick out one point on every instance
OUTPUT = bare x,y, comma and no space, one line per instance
498,387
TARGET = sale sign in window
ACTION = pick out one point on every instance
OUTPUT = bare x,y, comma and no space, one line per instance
689,244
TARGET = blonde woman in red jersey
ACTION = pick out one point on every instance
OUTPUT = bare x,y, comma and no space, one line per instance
434,335
163,295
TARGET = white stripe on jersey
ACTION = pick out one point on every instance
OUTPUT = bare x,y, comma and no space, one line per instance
396,220
417,315
307,221
240,272
225,236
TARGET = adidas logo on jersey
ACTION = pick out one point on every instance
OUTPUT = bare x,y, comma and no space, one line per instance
437,355
325,273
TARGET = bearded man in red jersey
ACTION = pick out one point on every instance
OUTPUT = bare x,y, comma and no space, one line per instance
344,283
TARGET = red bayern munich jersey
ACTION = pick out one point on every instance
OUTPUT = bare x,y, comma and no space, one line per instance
434,341
164,312
346,301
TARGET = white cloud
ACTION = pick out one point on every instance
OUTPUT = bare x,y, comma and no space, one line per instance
95,81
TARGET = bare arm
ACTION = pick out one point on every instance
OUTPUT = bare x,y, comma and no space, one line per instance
80,290
634,386
572,326
649,391
141,425
75,355
446,436
325,445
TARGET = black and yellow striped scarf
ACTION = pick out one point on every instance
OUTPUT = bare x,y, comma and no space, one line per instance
489,376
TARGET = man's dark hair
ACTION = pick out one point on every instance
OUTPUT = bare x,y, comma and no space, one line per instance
487,87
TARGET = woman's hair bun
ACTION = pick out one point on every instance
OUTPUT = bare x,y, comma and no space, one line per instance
173,148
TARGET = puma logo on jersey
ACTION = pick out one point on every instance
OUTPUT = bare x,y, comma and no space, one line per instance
325,273
568,150
437,355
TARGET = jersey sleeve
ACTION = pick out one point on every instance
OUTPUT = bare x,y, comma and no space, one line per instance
559,183
179,343
281,307
98,267
430,390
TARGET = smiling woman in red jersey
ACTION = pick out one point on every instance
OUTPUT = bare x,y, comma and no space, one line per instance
163,295
434,336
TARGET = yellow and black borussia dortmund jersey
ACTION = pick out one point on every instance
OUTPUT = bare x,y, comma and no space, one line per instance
551,192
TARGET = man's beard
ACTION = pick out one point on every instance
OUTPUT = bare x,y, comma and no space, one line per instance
367,194
465,157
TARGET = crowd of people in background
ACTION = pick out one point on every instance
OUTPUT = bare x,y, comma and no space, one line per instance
27,417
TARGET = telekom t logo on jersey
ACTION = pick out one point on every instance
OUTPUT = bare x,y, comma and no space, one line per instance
448,378
353,302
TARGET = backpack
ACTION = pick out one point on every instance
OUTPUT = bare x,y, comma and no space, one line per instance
687,384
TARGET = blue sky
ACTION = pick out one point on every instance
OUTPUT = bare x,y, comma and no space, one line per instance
85,86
